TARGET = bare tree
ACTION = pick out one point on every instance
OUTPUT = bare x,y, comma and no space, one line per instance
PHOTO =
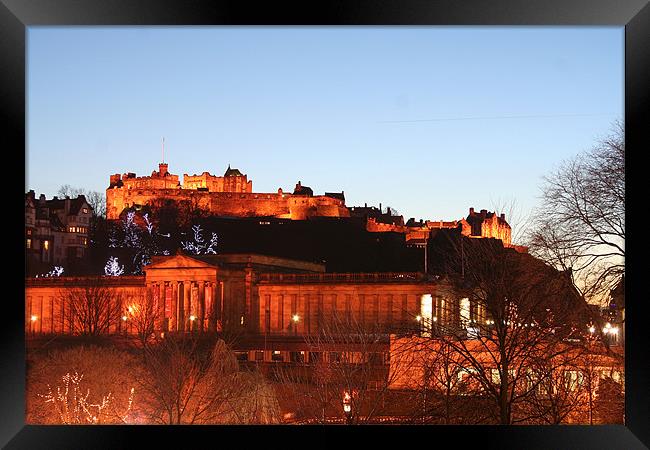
73,407
503,312
95,199
183,385
68,191
93,309
518,219
256,402
143,314
580,225
562,391
609,406
346,357
447,393
81,385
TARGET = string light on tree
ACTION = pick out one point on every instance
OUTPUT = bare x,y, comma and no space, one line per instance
113,268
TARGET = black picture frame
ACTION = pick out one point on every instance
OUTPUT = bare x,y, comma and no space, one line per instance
16,15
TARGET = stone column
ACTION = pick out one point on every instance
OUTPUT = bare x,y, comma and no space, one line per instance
149,299
180,321
201,304
173,321
187,292
162,297
212,311
209,300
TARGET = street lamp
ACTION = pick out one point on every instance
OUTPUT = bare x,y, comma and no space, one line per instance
347,407
33,320
295,319
192,319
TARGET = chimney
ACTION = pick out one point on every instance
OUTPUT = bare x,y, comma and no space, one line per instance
471,211
380,208
483,212
503,216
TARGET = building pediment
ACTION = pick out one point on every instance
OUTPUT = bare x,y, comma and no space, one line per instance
178,261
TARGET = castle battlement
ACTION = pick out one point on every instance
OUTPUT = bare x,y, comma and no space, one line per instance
229,195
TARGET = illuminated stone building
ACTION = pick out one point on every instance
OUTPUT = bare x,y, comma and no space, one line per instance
413,358
484,224
229,195
273,303
56,230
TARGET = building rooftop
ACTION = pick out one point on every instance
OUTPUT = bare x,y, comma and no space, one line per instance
232,172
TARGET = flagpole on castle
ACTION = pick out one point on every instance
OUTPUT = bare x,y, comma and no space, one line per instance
163,149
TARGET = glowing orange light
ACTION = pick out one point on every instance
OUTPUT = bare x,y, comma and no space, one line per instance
124,318
34,318
418,318
295,318
192,318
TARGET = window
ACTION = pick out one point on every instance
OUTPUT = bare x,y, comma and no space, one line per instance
276,356
241,356
85,210
46,245
314,357
376,358
298,357
573,379
29,243
496,376
335,357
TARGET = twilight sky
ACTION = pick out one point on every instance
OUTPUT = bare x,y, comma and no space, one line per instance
427,120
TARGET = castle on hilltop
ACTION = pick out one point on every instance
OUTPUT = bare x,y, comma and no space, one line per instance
232,195
229,195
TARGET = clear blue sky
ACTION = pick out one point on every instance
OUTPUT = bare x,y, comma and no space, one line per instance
417,118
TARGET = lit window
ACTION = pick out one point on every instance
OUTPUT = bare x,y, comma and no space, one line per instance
46,245
29,243
85,210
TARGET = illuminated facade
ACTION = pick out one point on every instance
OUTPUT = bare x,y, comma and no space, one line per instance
274,302
56,230
576,373
483,224
229,195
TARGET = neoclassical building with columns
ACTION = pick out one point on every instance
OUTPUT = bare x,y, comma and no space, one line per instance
272,304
